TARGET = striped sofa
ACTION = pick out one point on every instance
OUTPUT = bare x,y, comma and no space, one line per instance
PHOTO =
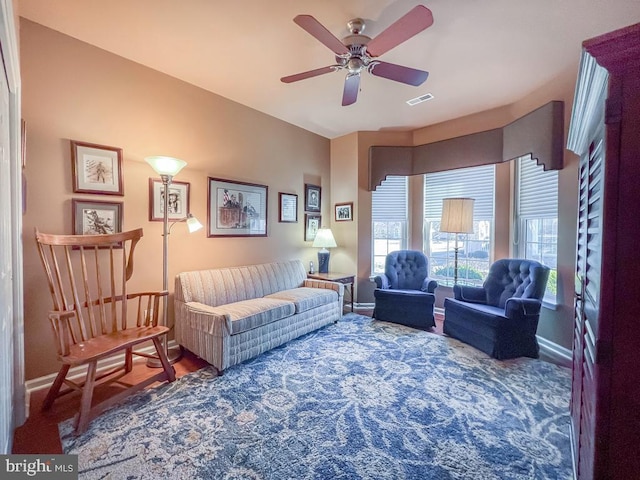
229,315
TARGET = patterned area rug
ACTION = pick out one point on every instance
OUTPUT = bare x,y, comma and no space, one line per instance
361,399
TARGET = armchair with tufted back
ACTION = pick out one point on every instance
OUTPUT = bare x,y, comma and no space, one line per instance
405,293
501,317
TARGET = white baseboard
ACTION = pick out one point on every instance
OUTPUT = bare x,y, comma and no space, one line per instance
362,306
77,373
555,353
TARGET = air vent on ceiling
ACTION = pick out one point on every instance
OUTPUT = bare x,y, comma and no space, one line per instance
420,99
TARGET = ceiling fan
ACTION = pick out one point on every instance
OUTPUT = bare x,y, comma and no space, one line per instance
357,52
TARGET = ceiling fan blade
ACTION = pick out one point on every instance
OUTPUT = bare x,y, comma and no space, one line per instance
419,18
351,87
316,29
309,74
391,71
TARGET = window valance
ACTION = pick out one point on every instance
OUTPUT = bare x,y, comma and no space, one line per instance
539,133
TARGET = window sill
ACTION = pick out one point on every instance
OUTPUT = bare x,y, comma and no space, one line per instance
550,306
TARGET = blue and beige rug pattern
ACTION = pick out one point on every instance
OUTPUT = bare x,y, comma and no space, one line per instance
360,399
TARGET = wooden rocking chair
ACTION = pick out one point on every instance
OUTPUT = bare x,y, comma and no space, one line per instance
94,316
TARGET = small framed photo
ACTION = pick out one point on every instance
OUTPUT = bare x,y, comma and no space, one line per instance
96,218
312,198
236,209
344,212
288,207
96,168
311,226
178,200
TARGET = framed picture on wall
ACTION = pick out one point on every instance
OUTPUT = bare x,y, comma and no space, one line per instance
96,217
178,200
311,226
344,212
288,207
96,168
236,209
312,198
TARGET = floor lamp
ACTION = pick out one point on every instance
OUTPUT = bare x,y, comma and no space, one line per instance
457,217
167,168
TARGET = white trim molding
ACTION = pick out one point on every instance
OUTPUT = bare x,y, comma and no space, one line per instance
13,354
554,353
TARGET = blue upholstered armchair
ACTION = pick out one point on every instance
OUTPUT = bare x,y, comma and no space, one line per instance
405,293
501,317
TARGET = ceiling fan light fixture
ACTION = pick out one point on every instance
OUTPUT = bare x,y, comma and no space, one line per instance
358,53
420,99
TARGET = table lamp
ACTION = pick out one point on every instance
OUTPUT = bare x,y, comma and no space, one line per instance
324,239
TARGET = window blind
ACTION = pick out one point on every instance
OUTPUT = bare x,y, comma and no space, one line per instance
389,200
473,182
537,190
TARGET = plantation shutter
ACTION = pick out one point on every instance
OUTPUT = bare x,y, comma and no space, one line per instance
537,190
473,182
389,200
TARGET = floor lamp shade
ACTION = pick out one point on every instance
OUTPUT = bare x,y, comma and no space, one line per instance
457,217
324,239
166,165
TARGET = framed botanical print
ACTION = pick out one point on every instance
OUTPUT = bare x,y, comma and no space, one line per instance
96,168
312,198
178,200
236,209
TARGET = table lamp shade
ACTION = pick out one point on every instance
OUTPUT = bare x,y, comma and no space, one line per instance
457,215
324,239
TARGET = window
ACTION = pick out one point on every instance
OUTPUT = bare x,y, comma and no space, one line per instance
389,219
475,250
536,226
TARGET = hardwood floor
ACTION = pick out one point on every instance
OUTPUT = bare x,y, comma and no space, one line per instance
40,435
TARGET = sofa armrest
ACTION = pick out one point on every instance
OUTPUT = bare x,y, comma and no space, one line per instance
382,281
203,317
312,283
429,285
521,308
469,294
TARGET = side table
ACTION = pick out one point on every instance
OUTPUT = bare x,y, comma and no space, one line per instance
343,278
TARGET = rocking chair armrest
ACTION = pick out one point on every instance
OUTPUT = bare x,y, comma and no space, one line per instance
61,330
159,293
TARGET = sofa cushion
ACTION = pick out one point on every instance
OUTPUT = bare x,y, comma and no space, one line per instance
249,314
305,298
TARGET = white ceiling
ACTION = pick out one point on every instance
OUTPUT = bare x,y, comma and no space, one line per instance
480,54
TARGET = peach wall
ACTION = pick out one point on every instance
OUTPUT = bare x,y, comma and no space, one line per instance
344,188
72,90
